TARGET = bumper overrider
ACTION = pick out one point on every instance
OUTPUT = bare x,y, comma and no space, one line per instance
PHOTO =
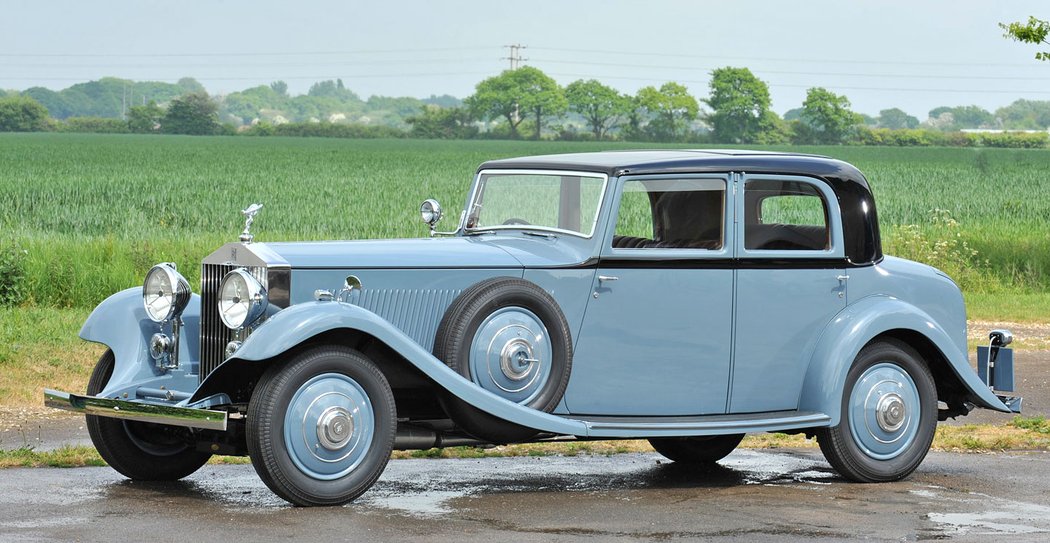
188,417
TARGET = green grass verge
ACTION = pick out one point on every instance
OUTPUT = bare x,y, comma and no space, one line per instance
1023,433
39,348
1011,306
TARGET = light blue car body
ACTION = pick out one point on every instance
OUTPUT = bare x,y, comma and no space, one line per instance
664,350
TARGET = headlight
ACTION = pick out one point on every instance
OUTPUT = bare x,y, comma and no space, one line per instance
165,293
242,300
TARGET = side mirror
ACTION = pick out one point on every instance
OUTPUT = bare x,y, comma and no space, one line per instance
430,210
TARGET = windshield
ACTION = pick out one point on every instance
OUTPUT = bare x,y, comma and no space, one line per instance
561,201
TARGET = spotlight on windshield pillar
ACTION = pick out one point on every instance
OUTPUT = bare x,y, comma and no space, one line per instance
430,210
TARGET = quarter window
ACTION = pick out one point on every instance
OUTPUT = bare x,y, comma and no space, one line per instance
671,214
785,215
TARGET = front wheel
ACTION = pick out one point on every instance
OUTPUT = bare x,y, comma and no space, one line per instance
888,417
321,426
140,451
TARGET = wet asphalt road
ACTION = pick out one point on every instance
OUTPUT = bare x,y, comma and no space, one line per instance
752,495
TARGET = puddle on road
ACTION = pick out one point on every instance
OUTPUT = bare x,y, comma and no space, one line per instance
993,516
758,467
42,523
982,523
420,504
425,488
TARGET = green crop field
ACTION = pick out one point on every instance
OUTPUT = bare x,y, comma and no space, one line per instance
94,212
82,216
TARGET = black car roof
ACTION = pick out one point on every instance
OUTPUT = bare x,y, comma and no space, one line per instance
678,160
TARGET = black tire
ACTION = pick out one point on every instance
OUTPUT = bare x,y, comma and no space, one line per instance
455,340
289,452
138,450
696,450
853,446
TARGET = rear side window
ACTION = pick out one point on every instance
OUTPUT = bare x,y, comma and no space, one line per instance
785,215
671,214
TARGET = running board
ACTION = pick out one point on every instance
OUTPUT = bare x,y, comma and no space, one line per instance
704,425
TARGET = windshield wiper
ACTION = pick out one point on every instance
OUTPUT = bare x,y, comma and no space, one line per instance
539,234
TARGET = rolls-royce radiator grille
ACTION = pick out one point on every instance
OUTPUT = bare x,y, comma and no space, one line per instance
214,334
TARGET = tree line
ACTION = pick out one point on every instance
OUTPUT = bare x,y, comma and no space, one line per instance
519,103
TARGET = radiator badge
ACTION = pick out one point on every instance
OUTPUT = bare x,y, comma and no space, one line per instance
249,218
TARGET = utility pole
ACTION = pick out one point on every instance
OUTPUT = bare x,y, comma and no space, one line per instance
515,61
515,55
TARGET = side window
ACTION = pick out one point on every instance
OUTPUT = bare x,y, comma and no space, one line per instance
671,214
785,215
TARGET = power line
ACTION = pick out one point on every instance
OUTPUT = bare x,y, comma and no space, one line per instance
833,87
269,54
262,78
788,72
458,60
785,59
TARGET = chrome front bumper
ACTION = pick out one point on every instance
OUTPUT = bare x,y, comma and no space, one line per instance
137,411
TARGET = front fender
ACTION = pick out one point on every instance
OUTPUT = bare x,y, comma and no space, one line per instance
120,323
858,324
297,324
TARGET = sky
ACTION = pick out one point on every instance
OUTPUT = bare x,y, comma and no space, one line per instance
915,55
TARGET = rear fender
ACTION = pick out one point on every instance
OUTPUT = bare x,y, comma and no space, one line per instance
294,326
120,323
854,328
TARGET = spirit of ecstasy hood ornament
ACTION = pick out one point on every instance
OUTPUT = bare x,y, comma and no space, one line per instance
249,218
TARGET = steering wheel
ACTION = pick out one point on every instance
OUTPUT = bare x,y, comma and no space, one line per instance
515,220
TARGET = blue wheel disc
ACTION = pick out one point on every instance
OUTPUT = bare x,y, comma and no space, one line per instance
329,426
884,411
511,354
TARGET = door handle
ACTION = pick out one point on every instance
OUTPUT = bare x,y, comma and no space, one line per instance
842,285
602,279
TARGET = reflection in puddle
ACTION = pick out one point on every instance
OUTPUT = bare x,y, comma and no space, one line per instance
427,503
994,515
426,488
985,522
42,522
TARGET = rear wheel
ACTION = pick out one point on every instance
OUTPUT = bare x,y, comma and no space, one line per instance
696,450
140,450
321,426
888,417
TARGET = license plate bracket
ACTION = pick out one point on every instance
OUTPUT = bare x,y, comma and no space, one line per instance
1001,362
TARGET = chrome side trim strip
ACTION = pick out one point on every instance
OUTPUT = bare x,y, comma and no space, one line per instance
700,425
137,411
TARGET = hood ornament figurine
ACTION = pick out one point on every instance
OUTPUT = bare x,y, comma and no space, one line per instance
249,218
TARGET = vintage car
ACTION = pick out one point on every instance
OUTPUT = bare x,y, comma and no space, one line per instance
686,297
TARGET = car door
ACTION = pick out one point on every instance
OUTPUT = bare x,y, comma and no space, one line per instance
656,336
791,281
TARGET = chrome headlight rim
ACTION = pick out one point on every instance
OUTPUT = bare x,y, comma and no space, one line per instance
245,304
165,293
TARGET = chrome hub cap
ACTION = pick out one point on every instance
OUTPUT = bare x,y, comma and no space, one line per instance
515,360
883,411
890,412
510,354
334,428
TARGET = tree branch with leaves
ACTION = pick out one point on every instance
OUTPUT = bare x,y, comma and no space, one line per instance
1035,31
